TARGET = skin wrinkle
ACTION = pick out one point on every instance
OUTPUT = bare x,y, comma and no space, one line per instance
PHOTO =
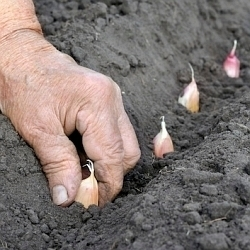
53,166
115,186
16,91
95,130
57,144
10,97
114,148
88,107
65,114
46,94
34,127
111,152
56,166
17,35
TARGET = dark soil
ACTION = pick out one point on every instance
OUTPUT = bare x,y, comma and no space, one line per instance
195,198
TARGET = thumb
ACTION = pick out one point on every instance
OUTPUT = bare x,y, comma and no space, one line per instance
61,165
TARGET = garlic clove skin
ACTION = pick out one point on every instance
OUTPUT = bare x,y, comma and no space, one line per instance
88,191
162,142
232,64
190,97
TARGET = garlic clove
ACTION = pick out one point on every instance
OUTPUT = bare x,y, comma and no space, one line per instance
232,64
190,97
162,142
88,191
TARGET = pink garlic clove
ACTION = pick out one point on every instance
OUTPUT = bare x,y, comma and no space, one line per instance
232,64
162,142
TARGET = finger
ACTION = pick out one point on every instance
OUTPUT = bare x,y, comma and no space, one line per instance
110,180
132,151
59,159
103,144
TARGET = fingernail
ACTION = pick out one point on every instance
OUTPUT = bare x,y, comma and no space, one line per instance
59,194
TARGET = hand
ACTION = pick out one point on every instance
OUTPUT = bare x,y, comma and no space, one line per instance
47,96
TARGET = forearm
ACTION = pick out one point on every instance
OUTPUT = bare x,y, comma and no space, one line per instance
17,15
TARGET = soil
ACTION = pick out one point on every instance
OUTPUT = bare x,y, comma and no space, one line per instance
197,197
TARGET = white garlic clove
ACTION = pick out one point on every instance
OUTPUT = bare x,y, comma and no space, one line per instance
88,191
162,142
190,97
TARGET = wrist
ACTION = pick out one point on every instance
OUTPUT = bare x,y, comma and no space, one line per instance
17,15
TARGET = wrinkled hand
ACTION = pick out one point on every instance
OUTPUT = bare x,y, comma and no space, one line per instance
47,96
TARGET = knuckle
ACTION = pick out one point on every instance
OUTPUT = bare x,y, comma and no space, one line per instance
104,85
132,158
117,186
136,156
